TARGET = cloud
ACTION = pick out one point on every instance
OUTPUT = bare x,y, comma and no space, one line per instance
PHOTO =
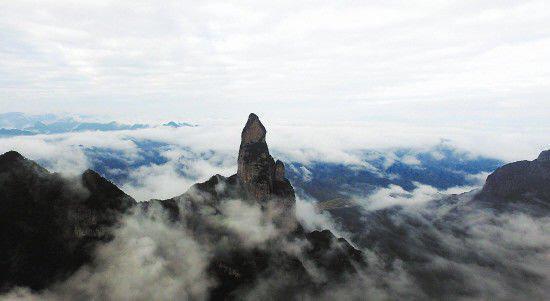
424,62
248,221
472,252
156,182
312,218
498,255
177,158
151,257
410,160
395,195
148,259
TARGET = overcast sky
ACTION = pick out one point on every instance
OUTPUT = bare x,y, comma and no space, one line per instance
428,63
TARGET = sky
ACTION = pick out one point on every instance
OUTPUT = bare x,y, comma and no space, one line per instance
326,77
458,66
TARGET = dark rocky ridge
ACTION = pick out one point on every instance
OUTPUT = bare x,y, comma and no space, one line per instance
49,225
260,180
261,176
417,238
527,180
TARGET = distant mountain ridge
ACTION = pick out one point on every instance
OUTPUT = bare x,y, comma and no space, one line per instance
419,238
257,248
20,124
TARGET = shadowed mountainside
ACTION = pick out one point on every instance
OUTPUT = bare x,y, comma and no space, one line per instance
473,230
52,225
260,181
521,180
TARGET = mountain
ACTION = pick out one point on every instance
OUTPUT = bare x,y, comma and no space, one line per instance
239,237
20,124
260,180
14,132
441,167
52,227
521,180
175,124
443,243
50,224
317,179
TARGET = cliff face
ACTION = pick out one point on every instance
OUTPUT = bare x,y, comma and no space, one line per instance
521,180
262,177
259,178
50,224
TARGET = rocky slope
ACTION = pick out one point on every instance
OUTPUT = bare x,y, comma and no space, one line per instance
50,224
481,230
260,181
521,180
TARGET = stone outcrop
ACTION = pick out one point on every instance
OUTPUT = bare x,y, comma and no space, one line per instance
49,224
260,180
260,175
521,180
544,156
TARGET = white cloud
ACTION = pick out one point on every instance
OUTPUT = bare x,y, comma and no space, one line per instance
195,153
395,195
422,62
410,160
248,221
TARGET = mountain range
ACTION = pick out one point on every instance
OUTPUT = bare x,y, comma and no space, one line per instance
51,224
20,124
242,239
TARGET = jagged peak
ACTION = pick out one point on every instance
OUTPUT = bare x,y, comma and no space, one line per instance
279,171
544,156
254,158
11,155
254,131
91,179
261,176
90,172
14,161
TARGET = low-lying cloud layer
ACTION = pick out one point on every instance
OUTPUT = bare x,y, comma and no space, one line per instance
477,255
176,158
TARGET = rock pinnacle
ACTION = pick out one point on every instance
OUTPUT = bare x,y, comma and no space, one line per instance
261,176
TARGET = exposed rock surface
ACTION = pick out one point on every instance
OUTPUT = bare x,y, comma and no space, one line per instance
260,180
544,156
521,180
261,176
50,224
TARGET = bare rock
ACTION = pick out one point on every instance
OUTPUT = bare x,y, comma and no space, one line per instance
262,178
544,156
521,180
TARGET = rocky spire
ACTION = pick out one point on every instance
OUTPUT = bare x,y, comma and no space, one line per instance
261,176
279,174
254,156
